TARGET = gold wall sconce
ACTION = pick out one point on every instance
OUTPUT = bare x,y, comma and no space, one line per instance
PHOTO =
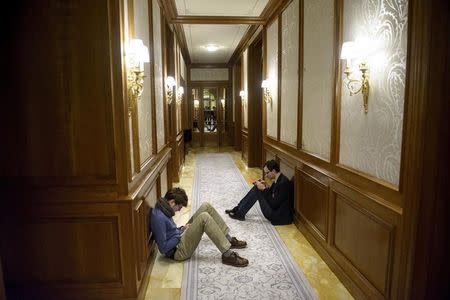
196,103
267,95
222,101
349,51
170,84
243,95
180,93
136,56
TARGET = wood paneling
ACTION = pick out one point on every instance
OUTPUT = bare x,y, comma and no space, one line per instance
365,240
78,250
312,203
74,225
66,122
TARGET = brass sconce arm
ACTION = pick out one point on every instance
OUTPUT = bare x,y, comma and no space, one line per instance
267,96
170,83
137,55
362,86
135,80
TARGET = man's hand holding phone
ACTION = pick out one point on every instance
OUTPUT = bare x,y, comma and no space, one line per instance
260,184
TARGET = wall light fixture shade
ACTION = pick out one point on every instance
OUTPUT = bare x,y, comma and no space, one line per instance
349,51
170,84
222,101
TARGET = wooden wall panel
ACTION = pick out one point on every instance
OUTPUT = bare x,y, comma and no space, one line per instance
81,250
74,251
365,240
65,106
312,203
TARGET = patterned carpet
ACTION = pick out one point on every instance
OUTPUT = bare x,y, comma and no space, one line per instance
272,273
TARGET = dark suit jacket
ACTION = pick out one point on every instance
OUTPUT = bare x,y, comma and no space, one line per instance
280,198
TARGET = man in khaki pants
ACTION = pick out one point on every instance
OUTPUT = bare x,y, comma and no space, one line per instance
180,243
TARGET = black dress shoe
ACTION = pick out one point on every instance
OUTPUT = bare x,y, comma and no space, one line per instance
236,216
228,211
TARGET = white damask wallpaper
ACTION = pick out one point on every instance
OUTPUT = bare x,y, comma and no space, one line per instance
318,75
210,74
159,98
141,30
163,179
272,75
371,142
245,88
289,73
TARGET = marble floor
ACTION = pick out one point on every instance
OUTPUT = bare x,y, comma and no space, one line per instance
166,276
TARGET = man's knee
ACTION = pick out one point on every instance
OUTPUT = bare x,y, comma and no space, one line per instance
205,205
204,217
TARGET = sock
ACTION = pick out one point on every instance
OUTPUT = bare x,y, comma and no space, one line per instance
227,253
228,237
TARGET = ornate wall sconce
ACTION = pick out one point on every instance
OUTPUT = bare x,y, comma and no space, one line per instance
180,93
349,51
267,95
222,101
136,56
243,95
170,83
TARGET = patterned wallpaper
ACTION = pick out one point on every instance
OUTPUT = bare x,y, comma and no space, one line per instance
318,75
212,74
371,142
163,179
289,73
159,98
141,29
245,88
272,74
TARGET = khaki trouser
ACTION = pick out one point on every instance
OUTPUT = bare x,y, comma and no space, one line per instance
206,219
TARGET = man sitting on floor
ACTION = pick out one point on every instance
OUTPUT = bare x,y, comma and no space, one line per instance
276,201
180,243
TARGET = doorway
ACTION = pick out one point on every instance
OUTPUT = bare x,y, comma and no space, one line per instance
209,115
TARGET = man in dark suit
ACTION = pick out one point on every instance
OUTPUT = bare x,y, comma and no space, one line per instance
276,201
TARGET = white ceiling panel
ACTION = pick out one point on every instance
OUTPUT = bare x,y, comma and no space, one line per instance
226,37
241,8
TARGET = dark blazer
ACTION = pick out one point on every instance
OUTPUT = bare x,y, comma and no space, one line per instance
280,198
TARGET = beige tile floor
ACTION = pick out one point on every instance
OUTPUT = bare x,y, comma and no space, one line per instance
166,276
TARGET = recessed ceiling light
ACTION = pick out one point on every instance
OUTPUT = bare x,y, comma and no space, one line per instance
212,47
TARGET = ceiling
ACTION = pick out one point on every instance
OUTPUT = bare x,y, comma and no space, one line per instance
223,24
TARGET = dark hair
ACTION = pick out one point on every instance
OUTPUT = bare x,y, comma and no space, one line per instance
272,165
177,194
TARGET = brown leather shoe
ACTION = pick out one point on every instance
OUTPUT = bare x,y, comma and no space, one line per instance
234,260
237,244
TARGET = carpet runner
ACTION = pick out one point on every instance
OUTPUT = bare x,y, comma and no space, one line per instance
272,272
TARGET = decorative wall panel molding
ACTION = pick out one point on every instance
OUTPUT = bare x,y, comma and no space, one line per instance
141,30
289,70
272,73
372,142
159,75
245,88
318,76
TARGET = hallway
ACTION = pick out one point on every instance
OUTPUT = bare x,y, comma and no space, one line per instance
165,281
108,104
